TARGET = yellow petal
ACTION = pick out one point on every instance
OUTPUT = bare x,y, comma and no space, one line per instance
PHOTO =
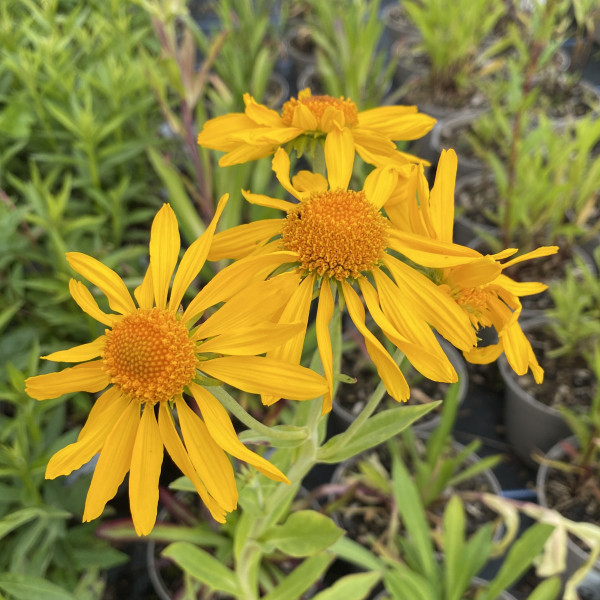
484,355
79,353
430,253
146,461
243,240
257,303
324,314
303,118
269,137
208,457
339,157
106,279
216,133
372,146
305,181
262,200
388,370
256,339
244,153
520,288
144,293
441,199
193,259
261,114
396,122
113,463
259,374
178,453
102,418
229,281
164,251
221,430
86,377
380,184
519,353
281,168
86,302
538,253
482,271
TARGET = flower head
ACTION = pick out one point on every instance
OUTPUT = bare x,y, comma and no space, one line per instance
474,281
151,354
259,131
339,240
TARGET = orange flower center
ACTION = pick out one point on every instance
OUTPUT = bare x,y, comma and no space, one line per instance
149,356
475,301
318,105
337,233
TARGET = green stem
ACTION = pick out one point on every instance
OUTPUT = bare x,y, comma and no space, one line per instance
235,409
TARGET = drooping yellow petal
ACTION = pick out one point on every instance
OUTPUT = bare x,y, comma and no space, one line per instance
520,288
105,412
164,251
484,355
257,339
519,353
208,458
373,147
441,199
257,303
113,463
105,278
86,302
339,157
79,353
144,293
262,200
430,253
221,430
229,281
305,181
260,114
303,118
259,374
86,377
216,133
242,240
482,271
396,122
538,253
281,168
379,185
146,461
244,153
324,314
178,453
388,370
193,260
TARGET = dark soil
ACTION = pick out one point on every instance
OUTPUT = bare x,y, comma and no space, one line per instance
478,202
567,99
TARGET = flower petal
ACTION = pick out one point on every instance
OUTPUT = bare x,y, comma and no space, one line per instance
86,377
484,355
396,122
262,375
380,184
221,430
520,288
244,153
303,118
104,278
262,200
208,458
229,281
86,302
519,353
79,353
242,240
305,181
339,157
260,114
103,416
281,168
388,370
538,253
482,271
144,293
164,251
216,133
194,258
441,199
113,463
324,315
178,453
146,461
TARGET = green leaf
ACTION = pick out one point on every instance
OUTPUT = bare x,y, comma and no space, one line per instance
351,587
28,587
304,533
454,540
355,553
404,584
301,578
204,567
375,431
547,589
14,520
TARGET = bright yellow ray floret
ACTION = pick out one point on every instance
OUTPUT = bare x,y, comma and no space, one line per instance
151,354
259,131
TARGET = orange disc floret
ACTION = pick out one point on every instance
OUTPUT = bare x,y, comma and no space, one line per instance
150,356
336,233
476,301
318,105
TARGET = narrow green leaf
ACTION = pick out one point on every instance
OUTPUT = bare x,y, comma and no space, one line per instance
29,587
14,520
305,532
375,431
547,589
355,553
204,567
454,540
301,578
404,584
350,587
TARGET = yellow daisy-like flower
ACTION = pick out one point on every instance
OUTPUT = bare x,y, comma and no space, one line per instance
340,236
475,281
150,354
259,131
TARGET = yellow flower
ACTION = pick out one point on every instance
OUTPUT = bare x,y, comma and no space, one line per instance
474,281
259,131
150,354
339,236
